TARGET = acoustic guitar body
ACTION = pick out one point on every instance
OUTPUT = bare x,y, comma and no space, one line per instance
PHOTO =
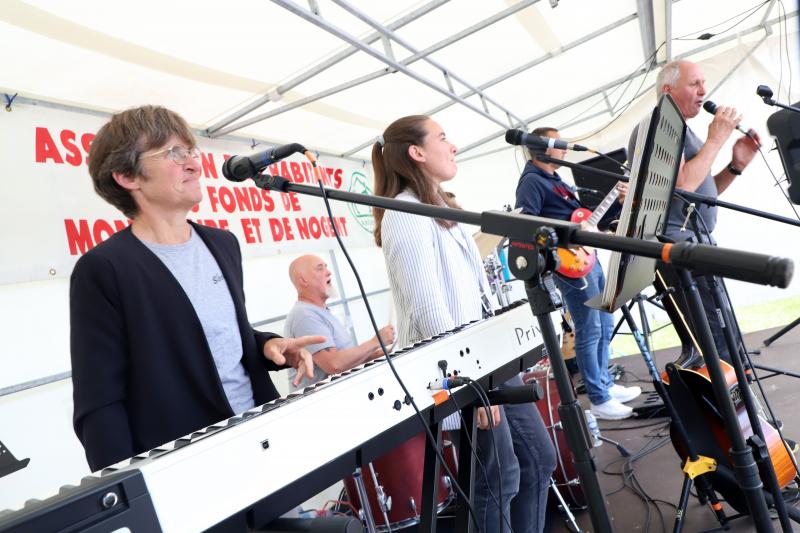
698,382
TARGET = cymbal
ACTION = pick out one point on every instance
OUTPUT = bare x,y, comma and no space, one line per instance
487,242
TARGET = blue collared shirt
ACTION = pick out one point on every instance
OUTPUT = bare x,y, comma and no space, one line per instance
546,195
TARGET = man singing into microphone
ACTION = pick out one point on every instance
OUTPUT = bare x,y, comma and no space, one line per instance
160,341
685,83
310,316
541,192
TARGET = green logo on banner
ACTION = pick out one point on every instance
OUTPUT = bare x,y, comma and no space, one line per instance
362,213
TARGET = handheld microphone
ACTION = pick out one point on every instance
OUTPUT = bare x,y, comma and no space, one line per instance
711,107
519,137
242,167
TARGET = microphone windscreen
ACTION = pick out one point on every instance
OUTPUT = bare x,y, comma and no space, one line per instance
514,136
710,106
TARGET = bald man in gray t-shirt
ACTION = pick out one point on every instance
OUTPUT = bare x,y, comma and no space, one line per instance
310,316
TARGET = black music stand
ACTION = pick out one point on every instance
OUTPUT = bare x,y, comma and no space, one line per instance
785,127
9,463
654,171
596,187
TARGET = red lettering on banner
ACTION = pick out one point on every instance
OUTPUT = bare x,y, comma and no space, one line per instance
290,201
86,143
269,203
209,168
252,230
242,199
73,153
297,173
337,178
307,172
221,196
280,229
316,227
46,148
220,224
81,238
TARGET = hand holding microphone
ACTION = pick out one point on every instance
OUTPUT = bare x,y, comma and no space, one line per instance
728,114
746,147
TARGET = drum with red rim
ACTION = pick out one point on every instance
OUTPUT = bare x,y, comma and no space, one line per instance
399,480
566,475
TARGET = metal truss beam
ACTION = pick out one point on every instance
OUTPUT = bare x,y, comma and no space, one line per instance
641,71
647,27
557,108
513,73
448,74
275,93
382,72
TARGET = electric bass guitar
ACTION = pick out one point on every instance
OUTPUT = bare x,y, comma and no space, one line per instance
578,262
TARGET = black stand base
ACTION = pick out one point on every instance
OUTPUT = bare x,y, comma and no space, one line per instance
782,332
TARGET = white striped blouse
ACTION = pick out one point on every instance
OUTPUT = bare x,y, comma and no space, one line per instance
435,274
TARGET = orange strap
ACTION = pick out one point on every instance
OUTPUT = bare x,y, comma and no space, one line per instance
665,252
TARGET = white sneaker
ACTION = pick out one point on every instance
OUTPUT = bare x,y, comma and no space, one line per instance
624,394
611,410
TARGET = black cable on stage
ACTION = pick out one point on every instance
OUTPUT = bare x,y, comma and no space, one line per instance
706,36
478,459
778,183
485,402
631,482
650,62
431,438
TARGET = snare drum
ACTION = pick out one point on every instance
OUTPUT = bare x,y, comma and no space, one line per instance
399,479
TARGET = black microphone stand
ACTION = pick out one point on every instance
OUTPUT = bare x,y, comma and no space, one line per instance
736,350
769,101
742,456
531,258
708,200
596,171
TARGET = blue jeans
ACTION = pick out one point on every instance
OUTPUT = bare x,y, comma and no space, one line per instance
527,460
593,330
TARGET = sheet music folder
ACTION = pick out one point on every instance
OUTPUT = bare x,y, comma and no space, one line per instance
654,170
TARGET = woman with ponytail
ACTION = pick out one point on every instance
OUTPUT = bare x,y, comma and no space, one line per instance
437,281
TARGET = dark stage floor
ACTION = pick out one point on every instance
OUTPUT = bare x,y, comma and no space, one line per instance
658,473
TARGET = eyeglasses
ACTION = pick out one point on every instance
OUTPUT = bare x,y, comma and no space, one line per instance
177,154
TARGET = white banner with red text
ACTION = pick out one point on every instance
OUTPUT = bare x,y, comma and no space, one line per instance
50,214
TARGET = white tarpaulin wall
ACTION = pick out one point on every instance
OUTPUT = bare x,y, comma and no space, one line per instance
249,72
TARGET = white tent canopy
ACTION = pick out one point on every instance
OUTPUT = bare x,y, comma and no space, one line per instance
332,74
576,63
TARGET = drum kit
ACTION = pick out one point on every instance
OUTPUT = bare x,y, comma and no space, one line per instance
564,484
392,484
